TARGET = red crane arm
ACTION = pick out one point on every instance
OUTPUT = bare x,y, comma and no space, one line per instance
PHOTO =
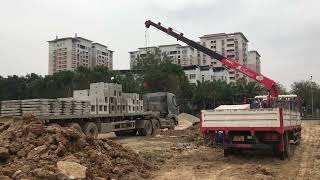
268,83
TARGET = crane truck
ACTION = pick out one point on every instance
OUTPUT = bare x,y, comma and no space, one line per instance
273,122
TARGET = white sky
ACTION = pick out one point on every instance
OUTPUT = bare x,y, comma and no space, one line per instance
286,32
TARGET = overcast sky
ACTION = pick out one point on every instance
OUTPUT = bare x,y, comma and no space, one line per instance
285,32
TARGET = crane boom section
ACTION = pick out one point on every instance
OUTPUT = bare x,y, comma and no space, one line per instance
268,83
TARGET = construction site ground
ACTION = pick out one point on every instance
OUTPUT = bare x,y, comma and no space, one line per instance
180,154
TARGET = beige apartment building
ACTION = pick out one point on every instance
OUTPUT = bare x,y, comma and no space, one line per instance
182,55
231,45
72,52
254,61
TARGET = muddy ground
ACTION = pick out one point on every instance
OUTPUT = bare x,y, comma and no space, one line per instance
181,155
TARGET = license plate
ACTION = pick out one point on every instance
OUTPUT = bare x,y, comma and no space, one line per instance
238,138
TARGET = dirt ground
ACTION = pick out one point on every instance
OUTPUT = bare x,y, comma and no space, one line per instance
180,154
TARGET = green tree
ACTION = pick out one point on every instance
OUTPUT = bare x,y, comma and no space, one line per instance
305,90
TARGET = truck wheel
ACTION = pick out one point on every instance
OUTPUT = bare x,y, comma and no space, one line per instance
172,124
90,129
156,127
147,130
75,126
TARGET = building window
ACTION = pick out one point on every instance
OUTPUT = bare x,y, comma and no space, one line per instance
93,108
173,52
82,47
106,99
230,45
105,108
100,108
115,93
192,76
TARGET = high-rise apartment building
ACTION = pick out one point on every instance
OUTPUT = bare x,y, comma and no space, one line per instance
254,60
183,55
72,52
231,45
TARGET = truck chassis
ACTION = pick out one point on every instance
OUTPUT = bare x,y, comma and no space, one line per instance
123,124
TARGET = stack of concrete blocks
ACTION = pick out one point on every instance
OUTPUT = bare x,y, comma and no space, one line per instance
114,94
132,103
140,106
108,98
11,108
127,102
81,95
39,107
82,101
105,98
66,105
74,106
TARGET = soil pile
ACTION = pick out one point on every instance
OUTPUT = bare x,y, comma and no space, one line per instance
191,134
29,149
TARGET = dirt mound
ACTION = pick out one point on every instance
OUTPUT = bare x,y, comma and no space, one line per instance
192,134
29,149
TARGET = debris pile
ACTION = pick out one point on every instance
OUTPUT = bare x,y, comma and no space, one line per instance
29,149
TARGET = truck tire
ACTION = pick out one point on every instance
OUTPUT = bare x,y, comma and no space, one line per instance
156,127
90,129
75,126
147,130
172,124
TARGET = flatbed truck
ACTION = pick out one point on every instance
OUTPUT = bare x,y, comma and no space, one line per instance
160,111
